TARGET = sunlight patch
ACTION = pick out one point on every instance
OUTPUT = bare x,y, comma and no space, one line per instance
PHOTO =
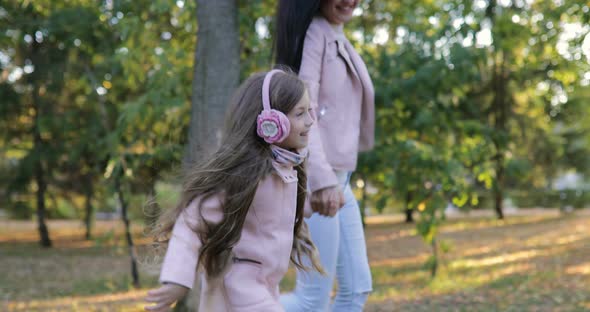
581,269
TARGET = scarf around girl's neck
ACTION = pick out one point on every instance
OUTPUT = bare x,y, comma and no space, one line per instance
286,157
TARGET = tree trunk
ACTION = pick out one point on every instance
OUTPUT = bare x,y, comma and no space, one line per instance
216,76
409,211
153,208
500,114
434,267
39,172
409,215
124,217
89,211
500,110
498,190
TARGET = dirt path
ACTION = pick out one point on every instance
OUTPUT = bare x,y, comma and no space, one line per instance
535,261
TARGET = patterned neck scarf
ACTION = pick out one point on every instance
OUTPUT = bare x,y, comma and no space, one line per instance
286,157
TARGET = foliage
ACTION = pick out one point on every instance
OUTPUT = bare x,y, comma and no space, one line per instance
475,99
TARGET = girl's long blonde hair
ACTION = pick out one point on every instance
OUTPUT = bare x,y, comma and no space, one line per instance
235,169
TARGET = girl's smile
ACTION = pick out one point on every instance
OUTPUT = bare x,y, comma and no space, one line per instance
301,119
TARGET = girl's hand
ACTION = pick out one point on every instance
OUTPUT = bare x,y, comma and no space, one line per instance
164,297
327,201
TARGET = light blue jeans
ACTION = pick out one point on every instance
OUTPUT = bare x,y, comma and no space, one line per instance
343,252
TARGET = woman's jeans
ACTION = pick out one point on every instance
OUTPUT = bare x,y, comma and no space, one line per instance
343,252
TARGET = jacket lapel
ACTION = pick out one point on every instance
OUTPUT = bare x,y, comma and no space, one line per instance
361,69
343,52
348,54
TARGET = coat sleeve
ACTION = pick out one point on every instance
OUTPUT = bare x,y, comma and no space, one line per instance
320,172
180,262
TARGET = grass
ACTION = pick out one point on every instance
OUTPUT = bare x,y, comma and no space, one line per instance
531,263
536,262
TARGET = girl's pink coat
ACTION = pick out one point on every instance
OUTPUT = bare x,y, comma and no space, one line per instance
267,238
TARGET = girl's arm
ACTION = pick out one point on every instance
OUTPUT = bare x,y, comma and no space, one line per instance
164,297
179,268
180,263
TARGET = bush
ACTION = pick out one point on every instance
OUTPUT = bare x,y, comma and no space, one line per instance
551,198
20,210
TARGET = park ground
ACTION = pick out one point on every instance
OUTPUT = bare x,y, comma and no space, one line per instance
535,260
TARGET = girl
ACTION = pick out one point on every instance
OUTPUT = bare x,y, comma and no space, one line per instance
240,216
310,40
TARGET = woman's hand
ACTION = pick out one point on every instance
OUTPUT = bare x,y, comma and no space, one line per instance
327,201
164,297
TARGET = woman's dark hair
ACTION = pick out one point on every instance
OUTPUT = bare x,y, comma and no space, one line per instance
291,22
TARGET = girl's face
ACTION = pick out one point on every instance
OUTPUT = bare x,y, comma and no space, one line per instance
301,120
338,11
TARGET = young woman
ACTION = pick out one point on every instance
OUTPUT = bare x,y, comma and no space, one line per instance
310,40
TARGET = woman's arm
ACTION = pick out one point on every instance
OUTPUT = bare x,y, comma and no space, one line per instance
320,173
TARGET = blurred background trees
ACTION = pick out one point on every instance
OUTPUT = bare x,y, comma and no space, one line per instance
480,104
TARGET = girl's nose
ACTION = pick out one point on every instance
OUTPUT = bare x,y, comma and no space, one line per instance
310,119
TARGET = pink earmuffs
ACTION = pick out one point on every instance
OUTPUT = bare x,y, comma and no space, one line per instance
272,125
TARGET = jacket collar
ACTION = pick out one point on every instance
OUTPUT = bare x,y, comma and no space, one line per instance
327,29
286,172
